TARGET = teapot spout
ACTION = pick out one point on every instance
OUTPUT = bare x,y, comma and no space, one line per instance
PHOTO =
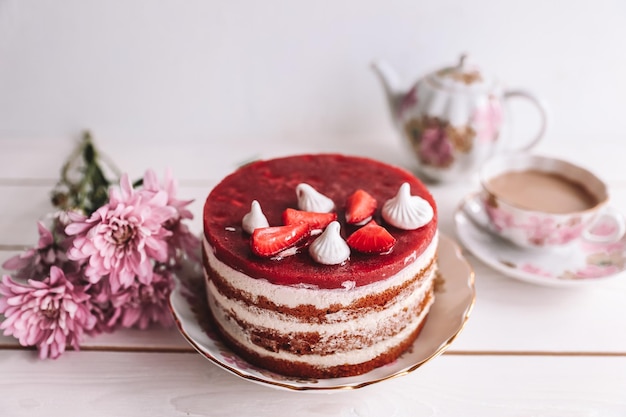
391,83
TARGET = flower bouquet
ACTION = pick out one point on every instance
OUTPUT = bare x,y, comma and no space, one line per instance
105,258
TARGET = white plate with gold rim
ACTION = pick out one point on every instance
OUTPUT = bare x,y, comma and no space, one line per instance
454,299
577,264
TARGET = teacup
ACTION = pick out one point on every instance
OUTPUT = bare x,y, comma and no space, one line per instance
539,201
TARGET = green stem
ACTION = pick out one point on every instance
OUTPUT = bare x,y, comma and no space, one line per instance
90,191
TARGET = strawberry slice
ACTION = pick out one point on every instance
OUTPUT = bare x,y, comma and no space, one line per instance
360,207
269,241
371,238
314,220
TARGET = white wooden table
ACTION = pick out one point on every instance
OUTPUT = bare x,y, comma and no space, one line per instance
526,350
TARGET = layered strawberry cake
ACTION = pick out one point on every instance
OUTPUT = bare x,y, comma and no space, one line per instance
320,265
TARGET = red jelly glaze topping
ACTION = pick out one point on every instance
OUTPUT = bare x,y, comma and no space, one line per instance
273,183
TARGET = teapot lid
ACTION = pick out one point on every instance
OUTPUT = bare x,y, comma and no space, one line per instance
463,77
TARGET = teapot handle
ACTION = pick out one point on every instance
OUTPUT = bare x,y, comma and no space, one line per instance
543,114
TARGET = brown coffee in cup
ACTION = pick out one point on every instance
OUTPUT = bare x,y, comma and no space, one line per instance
539,201
549,192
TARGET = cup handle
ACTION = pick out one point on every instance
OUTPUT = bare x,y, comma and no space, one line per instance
474,212
612,215
543,114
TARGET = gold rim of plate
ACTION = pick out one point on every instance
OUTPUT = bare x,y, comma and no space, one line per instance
450,256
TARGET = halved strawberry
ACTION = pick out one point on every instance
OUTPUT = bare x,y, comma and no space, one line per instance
314,220
371,238
269,241
360,207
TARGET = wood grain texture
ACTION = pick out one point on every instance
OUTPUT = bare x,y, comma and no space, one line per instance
158,384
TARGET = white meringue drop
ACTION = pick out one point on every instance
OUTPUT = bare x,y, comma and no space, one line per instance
406,211
330,248
254,219
309,199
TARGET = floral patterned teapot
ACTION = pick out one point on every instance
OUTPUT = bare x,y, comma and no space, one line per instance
453,118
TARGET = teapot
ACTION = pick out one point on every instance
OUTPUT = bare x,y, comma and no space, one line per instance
453,118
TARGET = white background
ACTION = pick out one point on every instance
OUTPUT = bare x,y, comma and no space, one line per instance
215,71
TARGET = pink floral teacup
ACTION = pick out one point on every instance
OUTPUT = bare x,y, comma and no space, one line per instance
538,201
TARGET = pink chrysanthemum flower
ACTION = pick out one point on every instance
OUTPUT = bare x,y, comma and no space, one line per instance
141,305
122,238
35,262
151,184
102,307
182,241
50,314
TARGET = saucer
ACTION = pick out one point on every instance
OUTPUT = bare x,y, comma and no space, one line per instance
454,299
579,263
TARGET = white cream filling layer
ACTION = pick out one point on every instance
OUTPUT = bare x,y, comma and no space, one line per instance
339,325
350,357
293,296
342,324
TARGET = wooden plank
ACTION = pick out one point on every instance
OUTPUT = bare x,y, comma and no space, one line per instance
159,384
508,315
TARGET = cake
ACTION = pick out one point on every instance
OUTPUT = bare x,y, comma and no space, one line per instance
321,265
